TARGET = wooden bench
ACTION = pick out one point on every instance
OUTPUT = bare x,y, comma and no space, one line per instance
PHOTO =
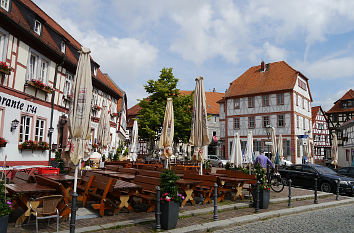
23,177
83,187
101,185
63,206
112,167
206,187
132,171
148,189
149,173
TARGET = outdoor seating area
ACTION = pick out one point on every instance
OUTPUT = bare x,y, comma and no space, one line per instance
116,187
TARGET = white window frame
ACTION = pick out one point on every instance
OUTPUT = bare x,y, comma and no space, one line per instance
39,130
38,29
62,46
281,120
3,44
237,103
24,125
68,85
236,123
5,4
36,72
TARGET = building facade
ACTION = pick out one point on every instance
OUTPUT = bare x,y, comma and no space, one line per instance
346,151
321,139
272,94
36,93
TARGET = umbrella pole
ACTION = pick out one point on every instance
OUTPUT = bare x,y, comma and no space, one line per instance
73,204
201,168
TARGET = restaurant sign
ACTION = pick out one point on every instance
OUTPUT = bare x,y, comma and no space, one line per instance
17,104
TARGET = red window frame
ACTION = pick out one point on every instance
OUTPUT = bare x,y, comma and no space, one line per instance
239,103
235,123
278,117
282,99
254,122
251,100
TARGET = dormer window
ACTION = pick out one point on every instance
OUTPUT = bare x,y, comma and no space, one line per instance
37,27
62,47
95,70
5,4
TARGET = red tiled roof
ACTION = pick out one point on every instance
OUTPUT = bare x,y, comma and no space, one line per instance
104,78
314,111
278,76
337,105
212,99
133,111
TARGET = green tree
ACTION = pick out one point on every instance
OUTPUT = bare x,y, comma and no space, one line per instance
153,108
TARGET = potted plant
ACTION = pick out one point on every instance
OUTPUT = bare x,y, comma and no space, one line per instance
264,187
5,208
42,146
4,68
170,199
3,142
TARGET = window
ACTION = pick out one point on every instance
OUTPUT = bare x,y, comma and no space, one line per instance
251,102
281,121
302,84
236,123
335,117
309,106
39,130
237,103
304,123
303,103
95,70
68,85
297,100
265,100
5,4
37,68
37,27
62,47
215,120
257,145
280,99
251,122
25,128
265,121
3,46
297,121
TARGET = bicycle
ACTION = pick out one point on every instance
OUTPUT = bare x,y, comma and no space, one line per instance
277,183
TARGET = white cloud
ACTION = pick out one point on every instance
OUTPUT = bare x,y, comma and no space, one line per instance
331,68
274,53
327,102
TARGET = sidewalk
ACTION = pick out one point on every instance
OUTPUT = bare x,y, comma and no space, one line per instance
198,217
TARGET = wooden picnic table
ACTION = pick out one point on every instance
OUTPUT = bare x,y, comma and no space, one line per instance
124,190
237,183
187,186
105,172
26,191
123,176
62,178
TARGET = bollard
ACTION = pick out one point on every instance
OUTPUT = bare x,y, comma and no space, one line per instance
268,179
315,201
257,197
337,194
215,202
157,209
289,202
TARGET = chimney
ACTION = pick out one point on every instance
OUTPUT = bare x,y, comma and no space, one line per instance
262,66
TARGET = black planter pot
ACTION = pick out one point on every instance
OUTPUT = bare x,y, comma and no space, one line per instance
3,223
169,214
264,197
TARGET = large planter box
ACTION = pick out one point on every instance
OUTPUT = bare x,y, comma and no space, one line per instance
264,197
169,214
3,223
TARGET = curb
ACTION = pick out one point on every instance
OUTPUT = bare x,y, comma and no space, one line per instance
256,217
185,213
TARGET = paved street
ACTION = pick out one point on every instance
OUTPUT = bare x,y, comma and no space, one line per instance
337,219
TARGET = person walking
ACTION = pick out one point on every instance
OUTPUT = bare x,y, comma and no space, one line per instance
263,160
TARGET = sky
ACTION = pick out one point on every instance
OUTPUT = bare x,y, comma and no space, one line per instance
133,40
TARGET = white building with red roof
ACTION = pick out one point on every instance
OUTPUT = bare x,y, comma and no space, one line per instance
321,138
268,94
35,95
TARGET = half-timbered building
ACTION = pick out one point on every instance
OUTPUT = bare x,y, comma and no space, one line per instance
272,94
321,139
346,151
35,93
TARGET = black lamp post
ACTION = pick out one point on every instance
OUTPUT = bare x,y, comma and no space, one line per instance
268,131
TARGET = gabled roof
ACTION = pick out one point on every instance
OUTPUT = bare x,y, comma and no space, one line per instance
212,99
337,107
278,76
315,111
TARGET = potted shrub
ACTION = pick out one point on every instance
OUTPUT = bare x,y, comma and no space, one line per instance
3,142
5,208
170,199
264,187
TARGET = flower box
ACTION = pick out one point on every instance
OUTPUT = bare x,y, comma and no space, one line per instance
39,85
33,145
4,69
3,142
96,108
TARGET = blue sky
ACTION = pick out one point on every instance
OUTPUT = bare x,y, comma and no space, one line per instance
219,40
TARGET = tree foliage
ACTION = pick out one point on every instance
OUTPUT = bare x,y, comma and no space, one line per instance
153,108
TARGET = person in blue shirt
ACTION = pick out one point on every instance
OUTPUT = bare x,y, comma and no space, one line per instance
263,160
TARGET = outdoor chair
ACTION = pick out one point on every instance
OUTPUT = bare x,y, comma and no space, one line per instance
45,207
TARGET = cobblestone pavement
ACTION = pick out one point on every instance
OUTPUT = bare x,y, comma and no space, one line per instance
333,220
144,227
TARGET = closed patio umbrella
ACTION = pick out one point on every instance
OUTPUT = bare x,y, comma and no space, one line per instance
249,150
168,128
334,150
280,148
103,130
199,130
274,144
236,151
79,120
134,142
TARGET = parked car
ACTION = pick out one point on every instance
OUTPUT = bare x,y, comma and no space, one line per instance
304,175
217,161
347,171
